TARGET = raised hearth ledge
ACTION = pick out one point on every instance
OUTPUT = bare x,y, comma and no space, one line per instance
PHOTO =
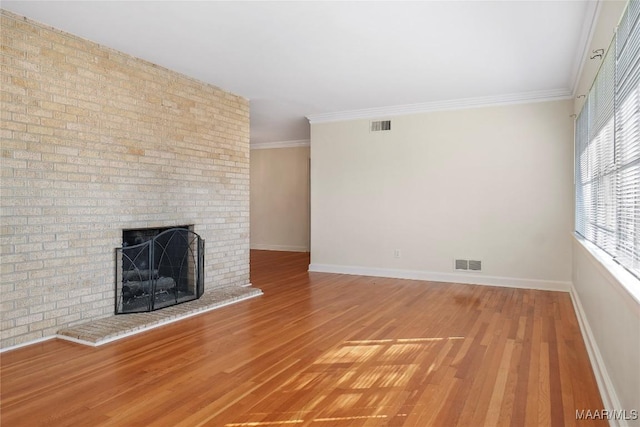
103,331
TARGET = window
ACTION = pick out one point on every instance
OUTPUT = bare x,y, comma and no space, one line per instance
607,159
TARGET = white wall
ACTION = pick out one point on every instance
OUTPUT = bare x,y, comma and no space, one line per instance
493,184
611,326
280,199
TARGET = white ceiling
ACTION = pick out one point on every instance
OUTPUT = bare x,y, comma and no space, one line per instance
297,59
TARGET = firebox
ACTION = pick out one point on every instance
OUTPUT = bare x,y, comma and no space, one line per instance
157,268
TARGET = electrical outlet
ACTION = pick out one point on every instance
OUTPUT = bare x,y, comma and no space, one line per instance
396,253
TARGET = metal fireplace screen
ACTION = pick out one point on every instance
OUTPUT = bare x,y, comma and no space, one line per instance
157,268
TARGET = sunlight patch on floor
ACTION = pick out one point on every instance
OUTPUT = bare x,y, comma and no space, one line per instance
355,417
316,420
264,423
401,340
358,380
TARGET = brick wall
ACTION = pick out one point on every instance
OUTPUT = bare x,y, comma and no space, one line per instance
94,141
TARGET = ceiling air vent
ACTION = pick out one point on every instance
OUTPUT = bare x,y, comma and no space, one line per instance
380,125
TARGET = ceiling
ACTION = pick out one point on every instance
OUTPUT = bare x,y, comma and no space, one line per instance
327,60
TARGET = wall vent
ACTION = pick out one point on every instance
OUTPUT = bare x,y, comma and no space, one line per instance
461,264
475,265
380,125
467,265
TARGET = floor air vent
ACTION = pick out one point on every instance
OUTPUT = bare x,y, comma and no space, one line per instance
380,125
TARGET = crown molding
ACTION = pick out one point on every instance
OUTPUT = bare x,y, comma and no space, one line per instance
280,144
582,53
454,104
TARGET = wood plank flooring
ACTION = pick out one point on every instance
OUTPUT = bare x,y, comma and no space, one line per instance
322,350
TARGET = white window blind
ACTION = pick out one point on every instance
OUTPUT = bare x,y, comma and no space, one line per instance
608,150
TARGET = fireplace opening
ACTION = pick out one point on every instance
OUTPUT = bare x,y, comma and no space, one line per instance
157,268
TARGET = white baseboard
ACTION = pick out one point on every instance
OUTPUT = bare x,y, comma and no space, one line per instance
284,248
280,144
472,279
607,391
24,344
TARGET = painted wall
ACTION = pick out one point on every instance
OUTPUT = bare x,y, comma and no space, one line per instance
610,316
280,199
491,184
611,325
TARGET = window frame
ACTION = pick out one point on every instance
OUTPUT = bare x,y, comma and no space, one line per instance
603,217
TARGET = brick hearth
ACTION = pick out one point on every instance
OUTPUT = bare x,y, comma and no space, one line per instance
109,329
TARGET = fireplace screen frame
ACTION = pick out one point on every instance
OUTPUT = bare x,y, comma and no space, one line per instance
165,269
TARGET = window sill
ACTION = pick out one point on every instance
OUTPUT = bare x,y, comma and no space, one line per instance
612,269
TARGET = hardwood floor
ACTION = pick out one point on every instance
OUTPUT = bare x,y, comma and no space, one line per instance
322,350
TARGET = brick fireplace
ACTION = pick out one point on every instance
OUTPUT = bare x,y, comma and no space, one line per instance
93,142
